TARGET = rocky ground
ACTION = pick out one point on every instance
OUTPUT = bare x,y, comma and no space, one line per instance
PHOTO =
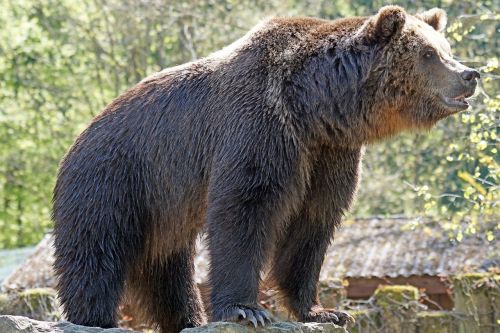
17,324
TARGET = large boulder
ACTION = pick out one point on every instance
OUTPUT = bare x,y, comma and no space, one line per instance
16,324
36,271
38,303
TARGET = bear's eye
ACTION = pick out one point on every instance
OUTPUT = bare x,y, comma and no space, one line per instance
429,54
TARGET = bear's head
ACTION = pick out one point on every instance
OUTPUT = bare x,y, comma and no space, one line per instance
372,77
414,79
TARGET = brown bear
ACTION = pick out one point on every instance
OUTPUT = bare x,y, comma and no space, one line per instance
257,146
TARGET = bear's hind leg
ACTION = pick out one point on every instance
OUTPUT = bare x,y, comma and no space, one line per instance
165,293
91,268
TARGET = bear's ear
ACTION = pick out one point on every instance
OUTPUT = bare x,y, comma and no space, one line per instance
434,17
388,23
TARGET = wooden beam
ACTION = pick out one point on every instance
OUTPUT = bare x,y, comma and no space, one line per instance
364,287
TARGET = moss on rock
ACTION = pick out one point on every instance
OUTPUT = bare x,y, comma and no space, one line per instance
4,302
436,322
389,296
38,297
367,321
39,303
477,299
399,306
477,280
332,292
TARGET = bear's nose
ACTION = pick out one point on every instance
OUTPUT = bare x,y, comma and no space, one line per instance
470,74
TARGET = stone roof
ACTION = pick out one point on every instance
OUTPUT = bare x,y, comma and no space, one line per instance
395,247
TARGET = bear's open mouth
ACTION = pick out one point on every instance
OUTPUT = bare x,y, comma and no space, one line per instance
459,102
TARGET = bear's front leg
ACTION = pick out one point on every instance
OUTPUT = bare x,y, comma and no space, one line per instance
301,249
246,201
296,268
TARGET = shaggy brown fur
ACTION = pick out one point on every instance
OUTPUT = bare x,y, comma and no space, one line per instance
258,145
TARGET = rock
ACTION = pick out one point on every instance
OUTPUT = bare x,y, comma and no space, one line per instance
367,321
281,327
477,300
332,292
16,324
36,271
437,322
38,303
399,307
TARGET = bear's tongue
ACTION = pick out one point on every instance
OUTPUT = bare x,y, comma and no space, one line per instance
460,98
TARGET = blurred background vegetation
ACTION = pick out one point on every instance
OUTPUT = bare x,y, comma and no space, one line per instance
62,61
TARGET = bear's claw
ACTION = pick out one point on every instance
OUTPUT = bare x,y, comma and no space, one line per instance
329,316
244,313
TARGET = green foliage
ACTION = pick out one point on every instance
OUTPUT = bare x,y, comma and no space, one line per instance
61,61
452,173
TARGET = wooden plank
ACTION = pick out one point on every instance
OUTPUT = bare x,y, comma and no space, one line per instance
364,287
434,287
